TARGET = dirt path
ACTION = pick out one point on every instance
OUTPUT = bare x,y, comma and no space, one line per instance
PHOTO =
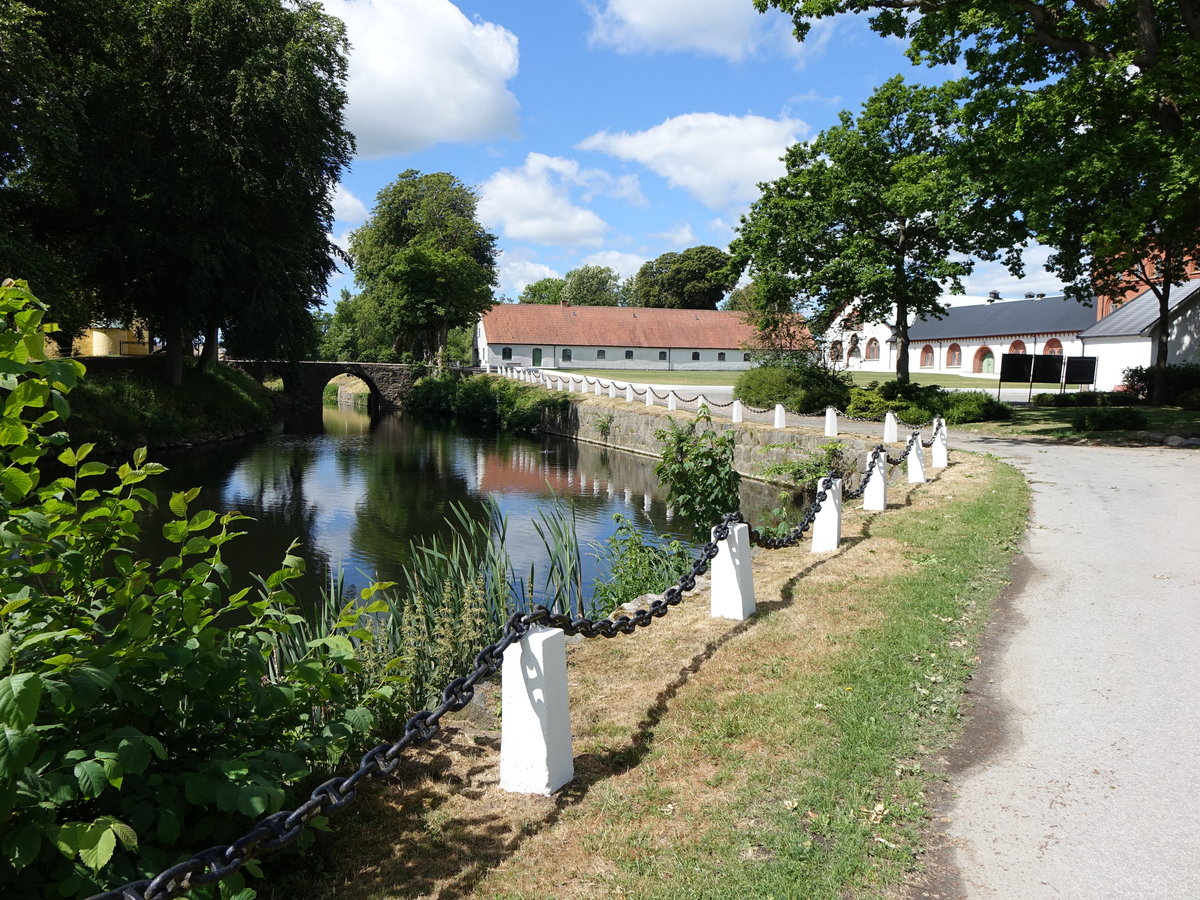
1078,776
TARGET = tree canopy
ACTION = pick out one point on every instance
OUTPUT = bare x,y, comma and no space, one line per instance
1086,116
544,290
696,278
424,262
870,214
176,163
593,286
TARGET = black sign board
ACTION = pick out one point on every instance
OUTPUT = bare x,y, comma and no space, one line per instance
1047,368
1016,367
1081,370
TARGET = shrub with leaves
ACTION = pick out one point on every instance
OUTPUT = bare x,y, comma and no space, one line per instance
697,468
1180,379
636,566
145,712
1116,418
802,386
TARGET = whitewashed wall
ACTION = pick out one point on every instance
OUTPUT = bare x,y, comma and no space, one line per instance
582,357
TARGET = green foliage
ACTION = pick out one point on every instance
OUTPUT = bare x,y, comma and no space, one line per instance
697,278
482,399
1119,418
544,290
974,406
592,286
145,711
917,404
636,566
1178,380
357,332
804,386
697,468
1086,398
830,457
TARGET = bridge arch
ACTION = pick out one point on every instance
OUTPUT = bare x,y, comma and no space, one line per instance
304,382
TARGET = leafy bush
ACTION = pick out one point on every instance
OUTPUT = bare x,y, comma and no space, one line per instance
1180,379
697,468
802,387
147,712
636,566
1189,399
1118,418
809,466
485,399
974,406
917,404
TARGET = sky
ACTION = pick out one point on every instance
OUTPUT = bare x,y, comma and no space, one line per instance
603,132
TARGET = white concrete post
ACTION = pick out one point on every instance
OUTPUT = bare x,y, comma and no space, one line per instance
672,401
830,422
916,461
535,731
649,396
629,393
732,591
889,428
700,401
487,368
940,452
737,411
780,420
875,494
827,526
612,390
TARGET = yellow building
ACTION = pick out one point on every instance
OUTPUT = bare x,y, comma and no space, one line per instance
105,340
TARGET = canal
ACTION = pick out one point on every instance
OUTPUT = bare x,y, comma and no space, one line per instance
355,491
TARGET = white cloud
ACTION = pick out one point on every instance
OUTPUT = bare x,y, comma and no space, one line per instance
533,202
994,276
518,272
340,240
719,159
680,236
624,264
347,207
728,28
422,73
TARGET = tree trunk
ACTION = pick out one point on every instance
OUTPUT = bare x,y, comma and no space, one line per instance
902,342
173,345
208,355
1158,394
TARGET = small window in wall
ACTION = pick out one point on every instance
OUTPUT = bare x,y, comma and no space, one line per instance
662,355
599,354
927,357
745,357
1016,347
720,357
853,351
629,354
953,356
566,355
1053,347
695,356
872,349
506,353
835,351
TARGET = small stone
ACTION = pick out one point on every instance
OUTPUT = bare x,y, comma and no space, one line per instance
1191,442
1156,437
1174,441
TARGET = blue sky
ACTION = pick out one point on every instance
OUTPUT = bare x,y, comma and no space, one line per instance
602,131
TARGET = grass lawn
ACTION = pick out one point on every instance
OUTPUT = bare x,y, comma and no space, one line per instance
785,756
1056,422
658,376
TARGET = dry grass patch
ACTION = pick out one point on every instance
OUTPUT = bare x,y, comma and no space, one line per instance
674,739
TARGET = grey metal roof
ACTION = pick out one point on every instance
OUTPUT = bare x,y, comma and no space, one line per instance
1135,318
1041,315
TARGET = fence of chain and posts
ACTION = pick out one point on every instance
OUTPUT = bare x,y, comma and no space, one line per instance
535,732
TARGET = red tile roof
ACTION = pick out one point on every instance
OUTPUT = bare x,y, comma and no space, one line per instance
613,326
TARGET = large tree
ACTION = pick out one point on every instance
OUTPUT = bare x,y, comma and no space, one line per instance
182,163
1087,118
424,262
870,214
592,286
544,291
696,278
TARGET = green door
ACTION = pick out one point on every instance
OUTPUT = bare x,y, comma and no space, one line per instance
537,356
988,363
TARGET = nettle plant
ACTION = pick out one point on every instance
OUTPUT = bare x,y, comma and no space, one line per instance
696,465
146,709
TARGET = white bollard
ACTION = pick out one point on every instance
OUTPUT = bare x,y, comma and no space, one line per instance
875,494
535,729
916,461
597,387
612,390
672,402
889,428
487,368
827,526
732,592
629,393
737,411
649,396
830,422
780,420
700,401
940,451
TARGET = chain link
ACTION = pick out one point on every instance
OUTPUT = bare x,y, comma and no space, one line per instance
794,536
878,451
914,438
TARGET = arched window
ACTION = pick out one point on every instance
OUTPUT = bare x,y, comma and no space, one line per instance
835,351
953,356
872,349
720,357
599,354
1016,347
506,353
1053,347
927,357
853,351
629,354
566,355
985,361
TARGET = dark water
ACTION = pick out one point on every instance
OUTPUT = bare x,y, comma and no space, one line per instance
355,491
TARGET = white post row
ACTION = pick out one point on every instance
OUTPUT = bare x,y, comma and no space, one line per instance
940,451
672,401
875,494
649,395
737,411
889,428
916,460
612,390
535,729
831,423
629,393
597,387
780,419
827,526
732,588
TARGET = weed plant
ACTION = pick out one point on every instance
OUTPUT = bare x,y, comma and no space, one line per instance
697,467
636,566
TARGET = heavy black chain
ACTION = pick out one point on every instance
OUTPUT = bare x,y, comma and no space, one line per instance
851,418
914,438
757,409
708,402
878,451
793,537
938,425
683,399
657,394
284,827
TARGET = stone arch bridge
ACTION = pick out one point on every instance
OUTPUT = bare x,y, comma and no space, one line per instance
304,382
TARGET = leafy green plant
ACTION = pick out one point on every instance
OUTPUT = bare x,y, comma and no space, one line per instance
803,386
808,467
1180,379
1117,418
604,425
636,566
697,468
